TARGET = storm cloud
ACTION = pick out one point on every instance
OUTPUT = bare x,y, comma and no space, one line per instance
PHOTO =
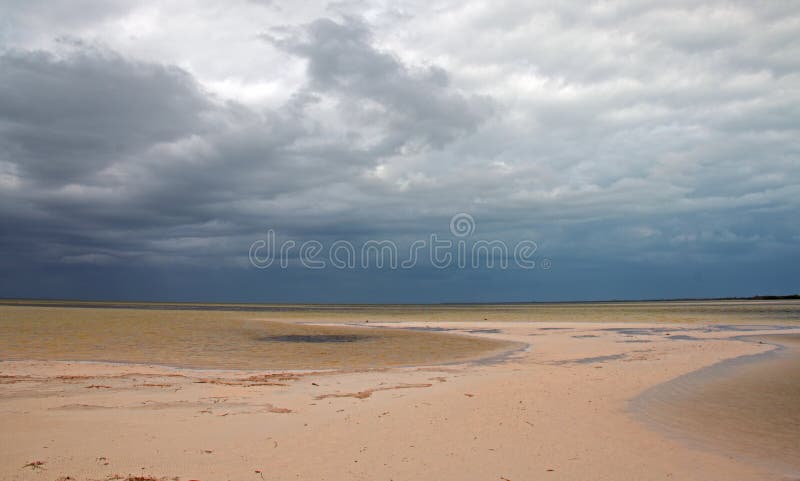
650,151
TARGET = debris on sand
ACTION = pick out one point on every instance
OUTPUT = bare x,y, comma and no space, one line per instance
274,409
368,392
35,465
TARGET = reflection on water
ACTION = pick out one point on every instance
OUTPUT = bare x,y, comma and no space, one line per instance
219,340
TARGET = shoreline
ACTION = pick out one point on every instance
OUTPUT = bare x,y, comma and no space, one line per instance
34,302
556,410
670,408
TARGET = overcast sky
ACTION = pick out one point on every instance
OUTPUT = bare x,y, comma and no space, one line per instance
649,151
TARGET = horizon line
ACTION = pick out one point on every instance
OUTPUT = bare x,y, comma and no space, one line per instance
76,301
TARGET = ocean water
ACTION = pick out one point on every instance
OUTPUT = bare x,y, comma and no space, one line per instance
721,311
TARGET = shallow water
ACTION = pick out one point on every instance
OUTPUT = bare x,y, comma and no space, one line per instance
753,311
747,407
247,336
220,340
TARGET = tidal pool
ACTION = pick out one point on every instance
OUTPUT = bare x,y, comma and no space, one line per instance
220,340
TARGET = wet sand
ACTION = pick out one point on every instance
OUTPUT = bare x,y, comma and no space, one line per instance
560,410
746,407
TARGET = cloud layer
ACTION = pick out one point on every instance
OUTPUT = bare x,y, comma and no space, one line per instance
649,151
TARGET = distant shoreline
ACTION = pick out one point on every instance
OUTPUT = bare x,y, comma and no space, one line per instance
212,305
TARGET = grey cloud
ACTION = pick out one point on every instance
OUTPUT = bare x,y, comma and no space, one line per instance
28,20
66,118
117,158
417,104
623,148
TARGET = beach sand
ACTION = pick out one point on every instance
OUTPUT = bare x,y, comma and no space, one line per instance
564,407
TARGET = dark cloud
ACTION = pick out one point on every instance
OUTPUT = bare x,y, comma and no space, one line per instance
67,118
114,160
649,150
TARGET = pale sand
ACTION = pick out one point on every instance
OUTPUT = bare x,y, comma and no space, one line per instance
557,411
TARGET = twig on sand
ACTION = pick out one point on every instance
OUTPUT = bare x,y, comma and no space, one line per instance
368,392
35,465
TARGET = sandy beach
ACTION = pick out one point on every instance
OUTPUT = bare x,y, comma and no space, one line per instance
435,240
557,403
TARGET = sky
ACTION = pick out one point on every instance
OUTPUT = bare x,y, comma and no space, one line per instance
148,150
